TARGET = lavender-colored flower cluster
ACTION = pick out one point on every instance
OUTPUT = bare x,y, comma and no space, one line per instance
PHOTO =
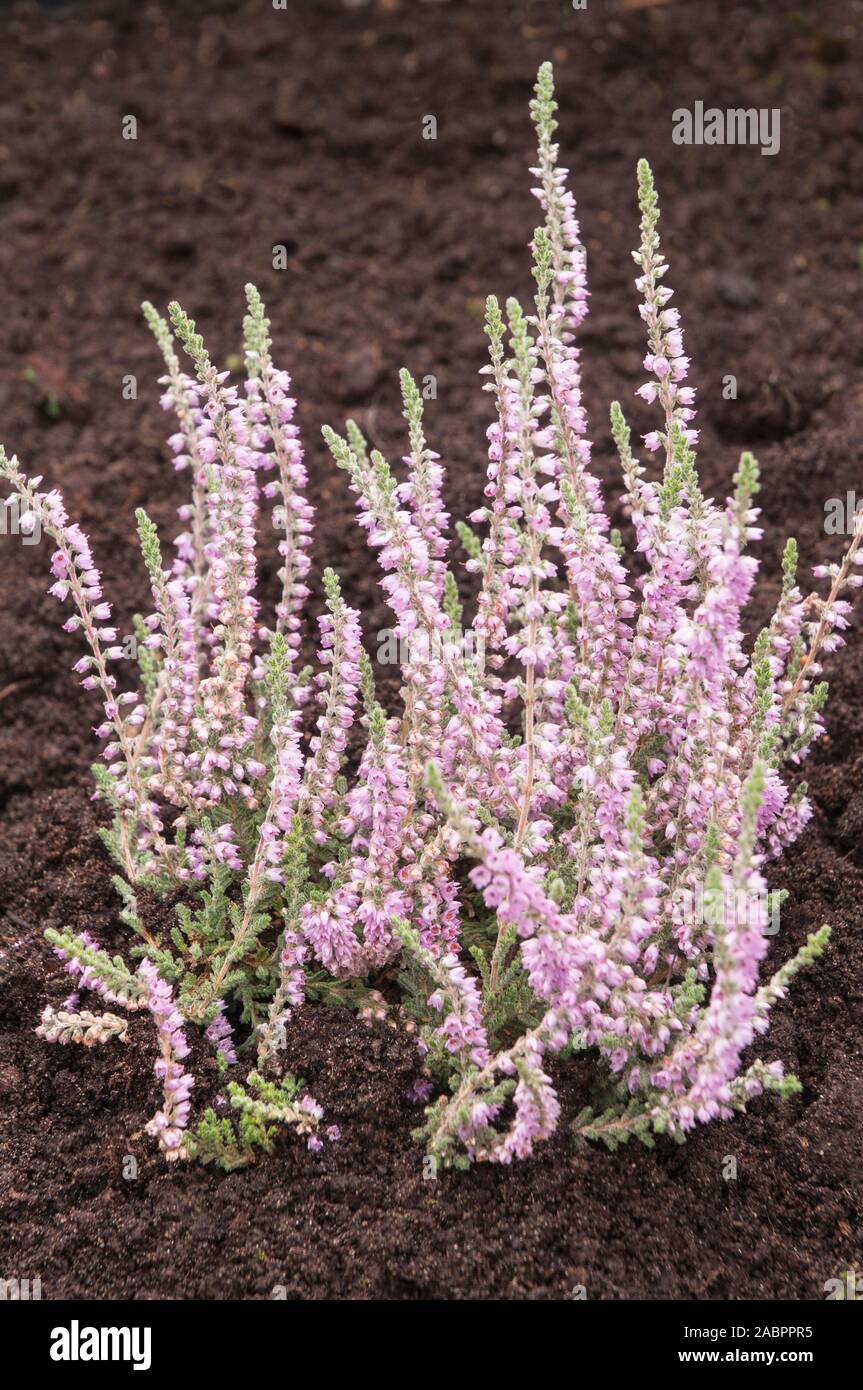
598,746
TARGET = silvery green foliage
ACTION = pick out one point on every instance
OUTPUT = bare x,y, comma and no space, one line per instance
560,834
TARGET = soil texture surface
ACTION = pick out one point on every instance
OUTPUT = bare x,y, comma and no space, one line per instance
303,129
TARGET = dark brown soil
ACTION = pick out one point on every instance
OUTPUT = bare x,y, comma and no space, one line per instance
258,127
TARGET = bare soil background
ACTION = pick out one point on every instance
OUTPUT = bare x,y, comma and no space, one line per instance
304,128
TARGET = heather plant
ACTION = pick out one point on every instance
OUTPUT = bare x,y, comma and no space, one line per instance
509,867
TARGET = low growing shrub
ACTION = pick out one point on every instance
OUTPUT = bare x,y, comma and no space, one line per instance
560,836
